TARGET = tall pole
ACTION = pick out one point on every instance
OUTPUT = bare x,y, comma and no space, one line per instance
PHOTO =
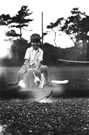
42,28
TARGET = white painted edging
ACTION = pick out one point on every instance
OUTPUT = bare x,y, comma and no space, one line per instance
59,82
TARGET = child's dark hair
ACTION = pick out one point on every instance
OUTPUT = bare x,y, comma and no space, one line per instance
35,38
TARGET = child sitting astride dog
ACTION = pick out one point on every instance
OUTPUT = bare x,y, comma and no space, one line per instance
33,63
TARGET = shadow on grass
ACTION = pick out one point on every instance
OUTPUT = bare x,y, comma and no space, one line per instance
70,90
14,93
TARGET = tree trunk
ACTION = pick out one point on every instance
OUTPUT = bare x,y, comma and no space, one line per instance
20,32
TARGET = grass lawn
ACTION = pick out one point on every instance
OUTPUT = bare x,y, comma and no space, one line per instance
67,116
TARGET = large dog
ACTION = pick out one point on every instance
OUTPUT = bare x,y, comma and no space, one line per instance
33,79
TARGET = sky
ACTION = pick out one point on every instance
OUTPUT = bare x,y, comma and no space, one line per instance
52,10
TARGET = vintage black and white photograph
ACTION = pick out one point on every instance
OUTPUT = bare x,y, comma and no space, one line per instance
44,67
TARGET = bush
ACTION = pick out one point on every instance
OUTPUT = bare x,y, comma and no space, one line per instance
18,50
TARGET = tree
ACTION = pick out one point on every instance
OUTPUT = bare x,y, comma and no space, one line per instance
20,20
52,26
76,26
4,19
12,33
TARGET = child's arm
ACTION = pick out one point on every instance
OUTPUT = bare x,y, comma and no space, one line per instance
37,64
27,64
39,60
